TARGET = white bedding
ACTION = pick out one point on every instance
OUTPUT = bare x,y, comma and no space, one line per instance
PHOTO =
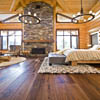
82,54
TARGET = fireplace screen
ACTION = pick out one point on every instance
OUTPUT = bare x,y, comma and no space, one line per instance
38,51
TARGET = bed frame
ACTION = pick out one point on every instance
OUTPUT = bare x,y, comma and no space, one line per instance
74,63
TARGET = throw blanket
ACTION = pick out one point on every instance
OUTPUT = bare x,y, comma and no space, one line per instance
76,55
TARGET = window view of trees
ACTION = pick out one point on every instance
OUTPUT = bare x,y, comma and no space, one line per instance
10,37
67,39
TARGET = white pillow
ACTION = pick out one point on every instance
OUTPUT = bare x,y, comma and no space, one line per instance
95,47
61,51
69,51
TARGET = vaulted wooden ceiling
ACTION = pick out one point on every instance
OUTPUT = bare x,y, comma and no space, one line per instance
67,6
74,5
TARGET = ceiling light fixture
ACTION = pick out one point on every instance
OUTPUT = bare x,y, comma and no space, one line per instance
29,18
81,17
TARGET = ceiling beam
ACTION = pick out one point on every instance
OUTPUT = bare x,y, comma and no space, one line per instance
50,2
20,10
54,3
96,7
61,4
27,1
22,3
14,5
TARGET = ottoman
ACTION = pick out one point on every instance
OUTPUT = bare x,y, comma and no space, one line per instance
56,58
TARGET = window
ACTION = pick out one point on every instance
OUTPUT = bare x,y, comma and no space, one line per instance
61,18
13,20
67,39
10,18
4,39
10,37
95,38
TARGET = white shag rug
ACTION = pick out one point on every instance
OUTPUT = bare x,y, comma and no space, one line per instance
14,60
45,68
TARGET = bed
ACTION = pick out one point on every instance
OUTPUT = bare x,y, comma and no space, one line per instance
76,56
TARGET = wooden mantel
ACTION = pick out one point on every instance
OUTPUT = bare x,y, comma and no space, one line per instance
38,41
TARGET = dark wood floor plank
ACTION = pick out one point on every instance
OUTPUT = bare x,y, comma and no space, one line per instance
10,71
87,87
69,90
15,85
10,78
94,82
52,88
60,87
22,82
25,87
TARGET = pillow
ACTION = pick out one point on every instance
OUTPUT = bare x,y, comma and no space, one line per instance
95,47
61,51
69,51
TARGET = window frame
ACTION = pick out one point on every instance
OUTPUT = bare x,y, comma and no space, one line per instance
57,21
78,45
8,36
91,40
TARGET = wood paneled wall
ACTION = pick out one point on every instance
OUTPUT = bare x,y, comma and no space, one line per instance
83,36
11,26
93,26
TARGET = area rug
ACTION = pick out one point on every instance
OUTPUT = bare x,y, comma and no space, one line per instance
14,60
45,68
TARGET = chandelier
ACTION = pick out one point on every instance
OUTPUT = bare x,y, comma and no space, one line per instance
81,17
29,18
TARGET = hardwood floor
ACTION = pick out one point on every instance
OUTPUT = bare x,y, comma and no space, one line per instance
22,82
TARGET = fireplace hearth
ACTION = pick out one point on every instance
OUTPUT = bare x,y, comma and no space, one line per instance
38,51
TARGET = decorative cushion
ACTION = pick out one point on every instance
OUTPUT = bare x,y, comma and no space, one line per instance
61,51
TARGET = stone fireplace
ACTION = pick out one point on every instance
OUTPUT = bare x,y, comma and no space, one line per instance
39,35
